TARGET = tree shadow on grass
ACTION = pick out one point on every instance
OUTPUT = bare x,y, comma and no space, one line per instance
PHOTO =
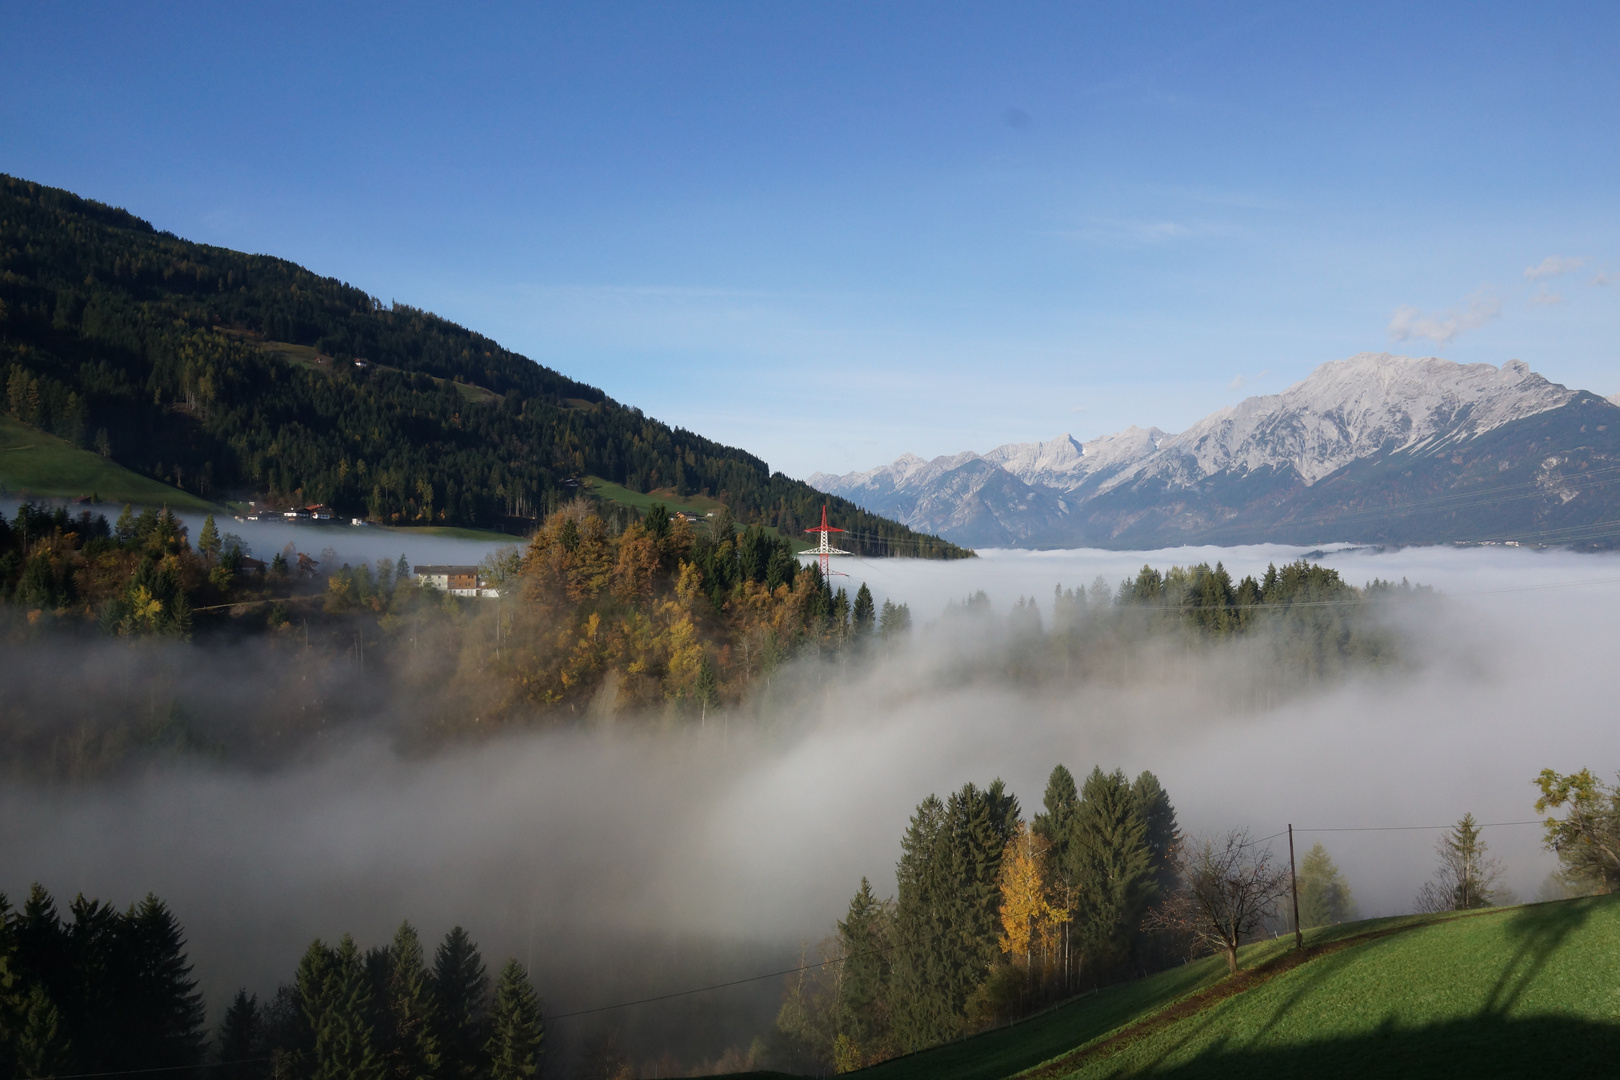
1540,930
1478,1048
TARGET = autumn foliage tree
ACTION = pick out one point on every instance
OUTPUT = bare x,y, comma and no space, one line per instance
1029,918
1587,837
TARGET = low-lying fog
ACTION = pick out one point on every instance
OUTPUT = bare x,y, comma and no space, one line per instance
621,859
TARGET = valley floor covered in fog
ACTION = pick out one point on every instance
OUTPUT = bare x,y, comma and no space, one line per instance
620,860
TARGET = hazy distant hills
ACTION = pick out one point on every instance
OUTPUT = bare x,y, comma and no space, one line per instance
1376,448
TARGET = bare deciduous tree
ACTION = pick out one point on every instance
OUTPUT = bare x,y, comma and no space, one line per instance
1229,886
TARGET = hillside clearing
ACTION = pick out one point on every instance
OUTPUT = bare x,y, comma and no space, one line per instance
33,463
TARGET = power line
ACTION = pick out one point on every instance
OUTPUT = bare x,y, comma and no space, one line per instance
1422,828
157,1069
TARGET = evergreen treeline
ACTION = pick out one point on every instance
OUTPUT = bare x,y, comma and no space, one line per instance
161,354
993,917
100,991
1297,624
106,992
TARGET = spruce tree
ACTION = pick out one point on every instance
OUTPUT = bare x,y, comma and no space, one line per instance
208,539
105,1010
1055,826
168,1005
517,1034
337,1002
241,1039
1058,805
41,1046
865,615
1162,834
124,529
1111,866
862,1008
461,998
413,1047
922,1015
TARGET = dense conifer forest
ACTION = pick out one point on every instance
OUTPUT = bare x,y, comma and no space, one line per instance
234,375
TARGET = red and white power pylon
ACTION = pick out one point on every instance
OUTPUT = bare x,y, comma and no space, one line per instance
825,548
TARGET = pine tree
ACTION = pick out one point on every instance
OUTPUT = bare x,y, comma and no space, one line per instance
865,615
208,539
516,1032
413,1050
461,998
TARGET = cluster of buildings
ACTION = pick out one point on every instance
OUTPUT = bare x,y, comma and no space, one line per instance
455,580
313,514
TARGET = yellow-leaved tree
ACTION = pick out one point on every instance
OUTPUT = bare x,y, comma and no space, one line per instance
1027,912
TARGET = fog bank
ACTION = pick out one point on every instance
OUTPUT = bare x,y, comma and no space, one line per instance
622,859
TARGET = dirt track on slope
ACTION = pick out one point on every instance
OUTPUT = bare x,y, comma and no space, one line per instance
1203,999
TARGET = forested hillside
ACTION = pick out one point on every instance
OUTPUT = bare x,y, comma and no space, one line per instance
229,374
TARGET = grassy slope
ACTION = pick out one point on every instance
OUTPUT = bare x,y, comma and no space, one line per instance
1008,1050
1519,992
1514,992
34,463
692,504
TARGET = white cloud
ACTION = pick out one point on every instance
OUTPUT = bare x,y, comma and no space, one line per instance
1604,277
1410,322
1546,299
1237,383
1552,266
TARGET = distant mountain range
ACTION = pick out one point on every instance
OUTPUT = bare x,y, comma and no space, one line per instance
1376,448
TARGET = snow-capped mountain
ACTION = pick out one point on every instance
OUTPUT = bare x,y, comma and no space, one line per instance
1246,468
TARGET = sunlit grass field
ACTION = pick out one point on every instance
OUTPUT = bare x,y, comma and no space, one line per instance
33,463
1525,991
1522,991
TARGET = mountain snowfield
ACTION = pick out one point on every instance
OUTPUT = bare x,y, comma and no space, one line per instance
1260,455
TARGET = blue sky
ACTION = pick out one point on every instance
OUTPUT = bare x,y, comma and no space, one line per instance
832,233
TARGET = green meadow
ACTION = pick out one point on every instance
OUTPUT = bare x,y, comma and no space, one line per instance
33,463
1511,992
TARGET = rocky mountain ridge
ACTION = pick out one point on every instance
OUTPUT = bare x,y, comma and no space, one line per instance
1248,470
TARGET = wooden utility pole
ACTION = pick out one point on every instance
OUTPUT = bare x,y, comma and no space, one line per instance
1293,884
